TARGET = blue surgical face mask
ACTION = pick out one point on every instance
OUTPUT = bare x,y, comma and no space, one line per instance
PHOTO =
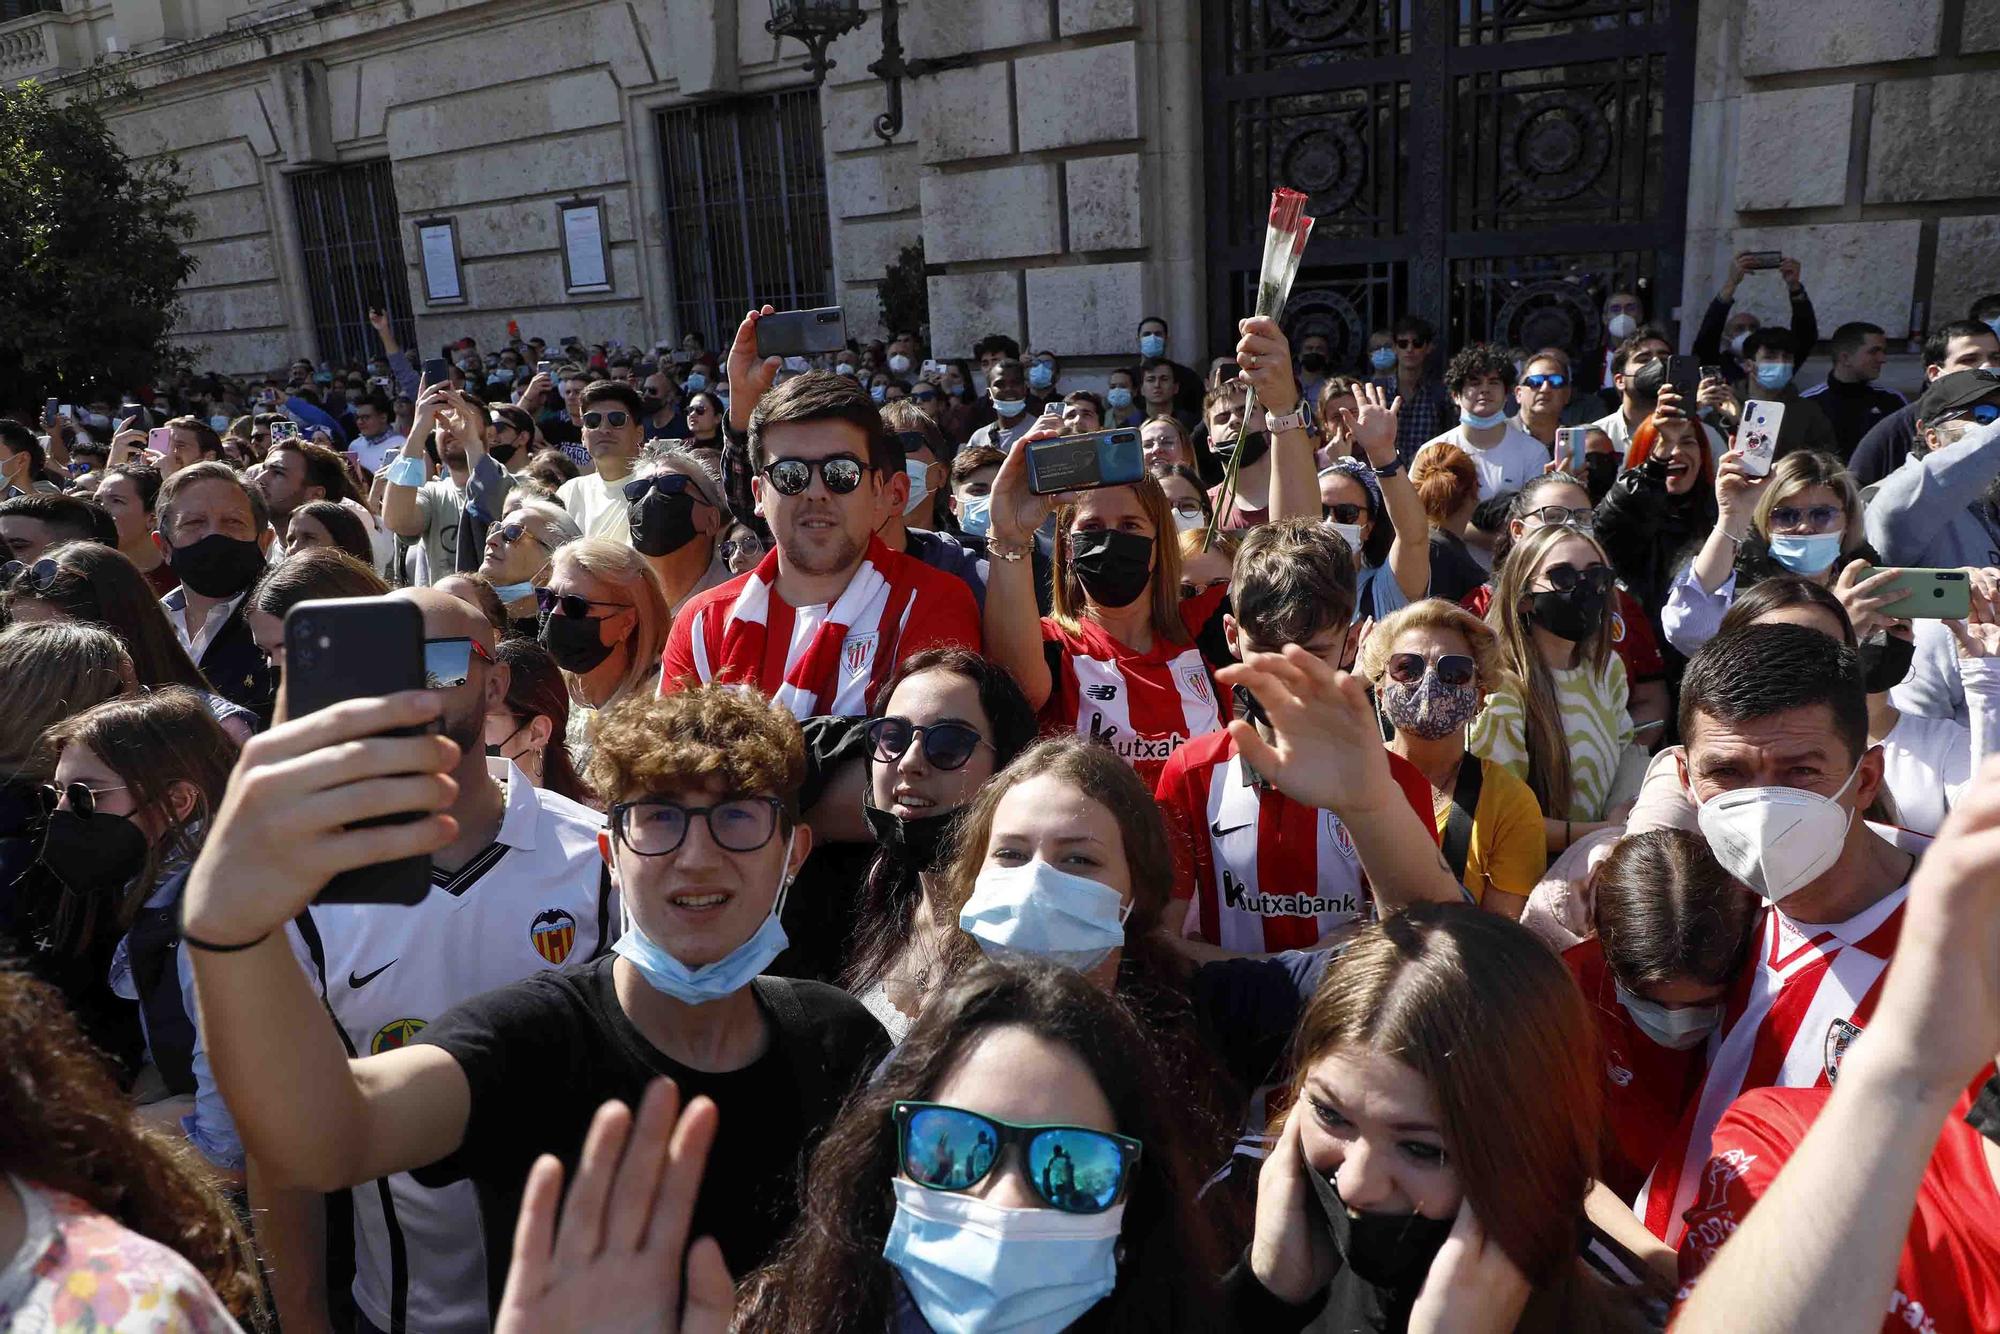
972,1266
1382,358
1994,325
1806,553
218,423
1119,397
1467,417
879,392
1035,909
920,491
1041,375
711,981
514,592
696,381
1774,374
975,514
1010,407
1153,345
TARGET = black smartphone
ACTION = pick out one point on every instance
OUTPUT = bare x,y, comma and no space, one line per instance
1085,462
1764,259
802,333
436,371
1684,374
354,648
49,410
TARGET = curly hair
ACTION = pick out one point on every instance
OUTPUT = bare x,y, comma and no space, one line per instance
65,1125
1477,360
1489,663
712,733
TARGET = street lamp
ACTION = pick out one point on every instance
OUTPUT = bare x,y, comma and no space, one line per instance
818,22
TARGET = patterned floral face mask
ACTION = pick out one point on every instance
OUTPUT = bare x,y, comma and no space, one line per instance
1428,708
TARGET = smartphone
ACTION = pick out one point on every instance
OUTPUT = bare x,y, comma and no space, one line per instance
802,333
353,648
545,367
1085,462
284,430
1572,443
160,440
436,371
1684,374
930,367
1764,259
1932,594
1757,435
50,410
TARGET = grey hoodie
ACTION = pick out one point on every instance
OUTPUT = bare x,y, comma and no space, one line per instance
1932,511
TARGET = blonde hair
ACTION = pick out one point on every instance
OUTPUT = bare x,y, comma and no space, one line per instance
1549,776
1067,600
1806,468
1437,614
1190,542
617,563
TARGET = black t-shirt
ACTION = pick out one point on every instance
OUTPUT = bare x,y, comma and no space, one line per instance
544,1053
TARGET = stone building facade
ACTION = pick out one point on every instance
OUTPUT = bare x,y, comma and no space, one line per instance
1062,179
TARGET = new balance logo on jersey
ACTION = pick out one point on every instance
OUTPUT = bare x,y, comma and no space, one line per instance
1101,692
356,981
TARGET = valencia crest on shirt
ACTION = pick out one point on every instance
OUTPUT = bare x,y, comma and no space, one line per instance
553,933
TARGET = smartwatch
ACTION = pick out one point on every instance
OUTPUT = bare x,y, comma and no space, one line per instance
1389,469
1291,421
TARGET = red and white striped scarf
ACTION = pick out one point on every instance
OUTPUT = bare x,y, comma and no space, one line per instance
846,660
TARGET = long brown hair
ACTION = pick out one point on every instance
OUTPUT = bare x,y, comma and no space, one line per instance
98,584
1424,987
828,1276
1067,600
156,742
1666,911
65,1125
48,671
1549,776
535,689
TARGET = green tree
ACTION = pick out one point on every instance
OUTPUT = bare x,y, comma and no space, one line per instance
90,254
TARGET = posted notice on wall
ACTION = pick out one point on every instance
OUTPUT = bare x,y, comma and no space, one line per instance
440,256
583,247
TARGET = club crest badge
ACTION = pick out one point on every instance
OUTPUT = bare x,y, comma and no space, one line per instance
553,934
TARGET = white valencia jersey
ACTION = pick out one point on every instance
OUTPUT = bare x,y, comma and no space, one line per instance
539,896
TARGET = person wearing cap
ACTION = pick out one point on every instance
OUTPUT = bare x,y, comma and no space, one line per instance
1938,510
674,507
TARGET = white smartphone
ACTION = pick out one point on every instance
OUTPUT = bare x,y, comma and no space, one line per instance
1757,435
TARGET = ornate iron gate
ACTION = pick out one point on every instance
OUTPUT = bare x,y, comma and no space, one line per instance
353,249
1495,166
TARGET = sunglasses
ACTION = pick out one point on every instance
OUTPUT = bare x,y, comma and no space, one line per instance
1454,669
1408,344
1190,589
790,477
1347,513
1549,381
666,483
946,745
511,533
1983,413
1563,578
745,546
655,827
448,662
1581,517
615,417
1815,518
40,576
1069,1168
573,605
80,797
925,396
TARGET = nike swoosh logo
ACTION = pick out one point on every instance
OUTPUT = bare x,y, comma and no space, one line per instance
356,981
1219,831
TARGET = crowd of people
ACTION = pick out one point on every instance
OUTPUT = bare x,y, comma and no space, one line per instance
1463,842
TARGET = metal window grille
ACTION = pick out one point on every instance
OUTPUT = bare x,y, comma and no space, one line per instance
746,217
353,244
20,9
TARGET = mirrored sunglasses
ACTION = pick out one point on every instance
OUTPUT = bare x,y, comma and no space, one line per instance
1071,1168
1552,380
791,477
448,662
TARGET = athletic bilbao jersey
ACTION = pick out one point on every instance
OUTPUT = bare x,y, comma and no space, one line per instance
1145,706
1948,1277
1265,872
1789,1018
1647,1087
538,897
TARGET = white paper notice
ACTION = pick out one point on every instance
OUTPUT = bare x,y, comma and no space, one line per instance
440,263
583,238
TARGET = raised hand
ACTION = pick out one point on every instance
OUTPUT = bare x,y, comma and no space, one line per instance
1325,748
1978,635
1736,493
750,376
1371,422
1788,269
612,1261
1472,1285
1864,592
1266,359
1669,405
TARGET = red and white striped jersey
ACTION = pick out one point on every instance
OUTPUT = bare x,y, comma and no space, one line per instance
1266,872
1790,1018
1145,706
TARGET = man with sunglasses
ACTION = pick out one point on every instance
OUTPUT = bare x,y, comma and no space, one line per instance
516,556
704,835
613,431
1962,345
1942,507
825,617
519,890
1546,389
675,510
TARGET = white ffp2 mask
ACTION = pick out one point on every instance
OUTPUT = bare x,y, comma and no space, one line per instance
1776,839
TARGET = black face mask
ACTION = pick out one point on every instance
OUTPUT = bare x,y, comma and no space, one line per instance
1600,470
575,642
1885,661
1113,567
1392,1251
1645,382
662,522
1312,363
217,566
502,454
1254,445
1572,615
923,843
99,855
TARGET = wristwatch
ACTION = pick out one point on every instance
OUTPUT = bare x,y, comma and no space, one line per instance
1389,469
1291,421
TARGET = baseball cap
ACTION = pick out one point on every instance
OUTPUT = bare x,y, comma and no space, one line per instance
1958,390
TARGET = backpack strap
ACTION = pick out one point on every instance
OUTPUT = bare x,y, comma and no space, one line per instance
1458,824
